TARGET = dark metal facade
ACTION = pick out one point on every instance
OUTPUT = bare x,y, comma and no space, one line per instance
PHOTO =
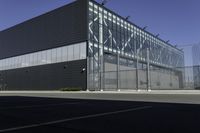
63,26
45,77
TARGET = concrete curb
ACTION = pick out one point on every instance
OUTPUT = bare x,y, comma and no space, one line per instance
195,92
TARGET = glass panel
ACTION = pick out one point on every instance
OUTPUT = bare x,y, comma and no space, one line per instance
59,54
31,60
1,64
35,61
23,59
70,53
76,52
5,62
83,51
90,3
64,53
53,55
8,63
49,56
44,57
39,55
27,59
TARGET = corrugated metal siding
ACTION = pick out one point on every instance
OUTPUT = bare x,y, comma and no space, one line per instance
59,27
45,77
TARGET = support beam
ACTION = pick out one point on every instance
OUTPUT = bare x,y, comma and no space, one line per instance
137,71
101,62
148,72
118,69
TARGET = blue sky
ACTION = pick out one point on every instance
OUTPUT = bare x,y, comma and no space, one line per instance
175,20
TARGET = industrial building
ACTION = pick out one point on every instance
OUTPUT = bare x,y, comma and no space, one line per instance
88,46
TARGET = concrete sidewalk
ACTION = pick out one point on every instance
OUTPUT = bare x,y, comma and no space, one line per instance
167,96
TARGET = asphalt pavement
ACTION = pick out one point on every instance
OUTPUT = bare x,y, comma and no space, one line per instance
28,114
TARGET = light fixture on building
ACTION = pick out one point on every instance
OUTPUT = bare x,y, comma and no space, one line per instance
104,2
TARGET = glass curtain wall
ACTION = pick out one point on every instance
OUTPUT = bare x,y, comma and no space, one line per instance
111,36
50,56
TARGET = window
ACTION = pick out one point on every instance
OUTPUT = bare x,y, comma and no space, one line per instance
1,65
82,51
31,59
49,56
35,61
64,54
90,3
54,55
23,59
61,54
44,57
27,59
76,52
70,53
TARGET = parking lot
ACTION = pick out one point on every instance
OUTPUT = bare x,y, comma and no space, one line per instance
20,114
